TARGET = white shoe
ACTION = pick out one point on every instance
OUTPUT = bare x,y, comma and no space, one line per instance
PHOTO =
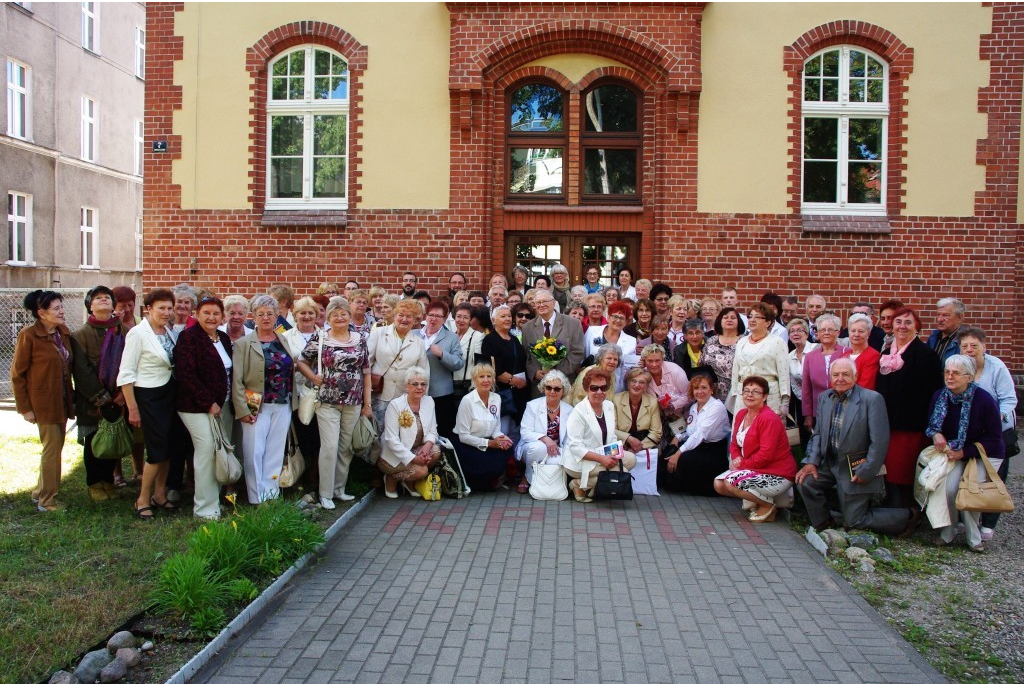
345,497
408,488
326,503
173,496
987,533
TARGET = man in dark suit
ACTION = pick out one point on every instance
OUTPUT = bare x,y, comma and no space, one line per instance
550,324
845,454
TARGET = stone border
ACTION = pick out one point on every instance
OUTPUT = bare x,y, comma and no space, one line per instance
196,663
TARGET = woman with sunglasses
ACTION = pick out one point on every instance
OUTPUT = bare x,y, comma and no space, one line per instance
522,313
542,434
591,426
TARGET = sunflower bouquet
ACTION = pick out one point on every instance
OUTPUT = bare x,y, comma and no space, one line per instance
548,352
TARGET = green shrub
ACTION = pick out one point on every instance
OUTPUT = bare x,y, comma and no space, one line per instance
207,621
187,586
278,533
225,548
242,590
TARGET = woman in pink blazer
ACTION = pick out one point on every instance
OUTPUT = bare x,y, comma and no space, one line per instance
817,363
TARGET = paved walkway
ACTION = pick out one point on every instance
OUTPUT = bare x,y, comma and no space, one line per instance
500,588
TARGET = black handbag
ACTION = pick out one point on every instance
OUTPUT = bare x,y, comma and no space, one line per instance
1010,442
614,484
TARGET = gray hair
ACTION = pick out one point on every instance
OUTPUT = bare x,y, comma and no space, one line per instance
555,375
413,373
959,307
606,349
500,289
559,269
847,361
653,348
854,318
964,363
232,300
519,268
336,302
261,301
797,321
185,290
828,318
816,297
304,304
578,292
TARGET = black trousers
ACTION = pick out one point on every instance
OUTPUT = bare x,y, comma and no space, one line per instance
97,470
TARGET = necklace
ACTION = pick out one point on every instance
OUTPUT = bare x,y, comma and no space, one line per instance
757,340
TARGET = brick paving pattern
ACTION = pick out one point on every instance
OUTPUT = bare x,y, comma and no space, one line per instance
500,588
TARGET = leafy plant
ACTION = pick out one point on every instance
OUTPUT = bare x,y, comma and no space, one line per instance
242,590
208,621
187,586
278,533
226,549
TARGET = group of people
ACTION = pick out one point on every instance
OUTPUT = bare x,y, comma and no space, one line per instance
520,374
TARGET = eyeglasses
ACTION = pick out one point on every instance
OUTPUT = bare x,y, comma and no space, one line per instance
661,298
523,315
752,391
553,388
953,373
599,388
617,317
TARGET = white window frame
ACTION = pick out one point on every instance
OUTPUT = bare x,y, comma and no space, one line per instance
19,223
138,243
90,226
140,147
18,126
91,26
843,110
140,52
308,108
90,121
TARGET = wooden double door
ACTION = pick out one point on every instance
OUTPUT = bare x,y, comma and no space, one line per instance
538,252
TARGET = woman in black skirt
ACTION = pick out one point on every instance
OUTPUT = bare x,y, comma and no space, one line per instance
696,455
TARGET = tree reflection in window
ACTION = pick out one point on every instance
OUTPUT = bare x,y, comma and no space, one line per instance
611,142
536,107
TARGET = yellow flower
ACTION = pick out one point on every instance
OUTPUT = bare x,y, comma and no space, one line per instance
274,478
234,524
405,419
539,345
206,530
551,350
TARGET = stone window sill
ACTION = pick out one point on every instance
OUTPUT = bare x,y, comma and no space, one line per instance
306,217
820,223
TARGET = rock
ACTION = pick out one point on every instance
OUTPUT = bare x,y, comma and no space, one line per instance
855,554
816,541
865,540
866,566
130,656
64,678
92,663
148,646
113,671
121,639
883,555
835,540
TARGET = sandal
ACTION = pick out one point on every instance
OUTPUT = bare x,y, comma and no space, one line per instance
766,517
145,513
120,482
166,505
523,488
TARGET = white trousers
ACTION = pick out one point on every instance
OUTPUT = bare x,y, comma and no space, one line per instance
207,497
336,423
263,445
970,519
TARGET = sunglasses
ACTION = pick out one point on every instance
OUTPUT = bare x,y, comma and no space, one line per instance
599,388
553,388
522,315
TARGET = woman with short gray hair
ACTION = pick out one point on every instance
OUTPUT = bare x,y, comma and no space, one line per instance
542,432
607,357
409,436
864,356
185,301
817,363
236,309
560,286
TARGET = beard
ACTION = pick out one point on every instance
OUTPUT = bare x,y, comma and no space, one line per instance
408,290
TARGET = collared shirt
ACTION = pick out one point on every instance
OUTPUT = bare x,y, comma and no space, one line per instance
946,340
836,424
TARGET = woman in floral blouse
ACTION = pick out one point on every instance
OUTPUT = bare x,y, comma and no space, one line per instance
720,349
343,376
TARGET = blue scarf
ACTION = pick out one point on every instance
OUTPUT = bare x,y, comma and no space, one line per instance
965,399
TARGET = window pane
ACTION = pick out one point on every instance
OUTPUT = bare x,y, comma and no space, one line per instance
279,89
856,64
339,88
281,67
286,178
820,181
321,88
321,62
813,66
821,138
338,66
609,172
865,139
875,90
329,177
830,90
812,88
856,90
875,67
297,63
536,107
535,170
329,135
865,182
286,135
296,89
830,61
611,109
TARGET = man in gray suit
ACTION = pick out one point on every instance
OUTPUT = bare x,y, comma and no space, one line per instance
549,323
845,454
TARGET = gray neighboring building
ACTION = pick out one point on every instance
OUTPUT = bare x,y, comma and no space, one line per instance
71,143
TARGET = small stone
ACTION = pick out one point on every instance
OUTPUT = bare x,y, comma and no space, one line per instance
64,678
113,671
835,541
865,540
816,541
883,555
121,639
866,566
148,646
91,664
855,554
131,656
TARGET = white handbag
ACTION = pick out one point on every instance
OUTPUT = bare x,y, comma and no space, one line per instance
645,473
309,398
227,469
548,482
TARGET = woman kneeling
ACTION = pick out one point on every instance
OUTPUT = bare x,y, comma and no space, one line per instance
409,437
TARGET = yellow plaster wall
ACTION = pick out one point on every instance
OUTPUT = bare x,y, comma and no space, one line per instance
743,149
405,132
574,66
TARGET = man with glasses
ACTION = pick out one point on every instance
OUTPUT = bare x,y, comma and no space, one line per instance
550,324
408,285
456,282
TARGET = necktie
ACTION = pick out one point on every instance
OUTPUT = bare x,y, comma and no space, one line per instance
547,329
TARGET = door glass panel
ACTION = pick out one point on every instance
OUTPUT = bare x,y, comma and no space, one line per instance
608,258
538,258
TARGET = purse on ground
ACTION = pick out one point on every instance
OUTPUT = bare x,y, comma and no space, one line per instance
226,467
548,482
988,497
616,484
429,487
294,464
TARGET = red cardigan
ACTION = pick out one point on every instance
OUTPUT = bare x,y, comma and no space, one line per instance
867,368
765,448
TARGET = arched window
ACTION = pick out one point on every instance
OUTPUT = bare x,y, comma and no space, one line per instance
610,142
536,141
845,132
307,124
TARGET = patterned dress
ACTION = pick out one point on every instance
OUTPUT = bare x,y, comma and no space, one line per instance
343,365
719,357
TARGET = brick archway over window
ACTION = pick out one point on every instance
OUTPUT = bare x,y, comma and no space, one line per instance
900,60
258,57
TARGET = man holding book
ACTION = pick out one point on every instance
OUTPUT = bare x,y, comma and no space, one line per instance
845,454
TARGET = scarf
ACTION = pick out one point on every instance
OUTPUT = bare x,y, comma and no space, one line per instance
946,396
889,363
111,350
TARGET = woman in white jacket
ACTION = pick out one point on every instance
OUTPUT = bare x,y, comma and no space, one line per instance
482,448
591,426
545,421
408,442
393,351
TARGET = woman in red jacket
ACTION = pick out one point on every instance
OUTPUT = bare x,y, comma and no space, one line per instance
762,467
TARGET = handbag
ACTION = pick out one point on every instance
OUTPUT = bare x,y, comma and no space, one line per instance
792,432
227,469
294,463
988,497
548,482
452,484
309,398
365,433
1010,442
614,484
112,439
429,487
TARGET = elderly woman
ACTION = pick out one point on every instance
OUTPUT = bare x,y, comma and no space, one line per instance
643,315
560,287
483,449
202,368
595,311
513,300
885,317
669,384
362,319
506,354
762,466
578,294
384,315
993,377
41,379
591,426
765,355
184,305
624,282
799,332
148,386
124,306
97,348
658,336
709,309
607,357
377,295
305,312
470,341
720,349
817,362
444,355
393,350
328,289
619,314
520,279
409,439
962,416
578,312
679,311
643,289
687,356
637,416
592,280
542,433
321,307
908,377
236,309
340,366
262,391
865,357
695,456
610,295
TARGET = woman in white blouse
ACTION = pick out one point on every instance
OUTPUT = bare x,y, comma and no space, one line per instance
765,355
470,340
409,439
393,351
482,448
799,335
699,453
542,432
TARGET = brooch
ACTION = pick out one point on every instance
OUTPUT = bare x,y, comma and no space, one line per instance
405,419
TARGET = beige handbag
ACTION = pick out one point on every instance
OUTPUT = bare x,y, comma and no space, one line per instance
988,497
792,432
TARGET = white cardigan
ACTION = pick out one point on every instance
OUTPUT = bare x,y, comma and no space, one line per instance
396,440
535,423
583,435
144,361
384,346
